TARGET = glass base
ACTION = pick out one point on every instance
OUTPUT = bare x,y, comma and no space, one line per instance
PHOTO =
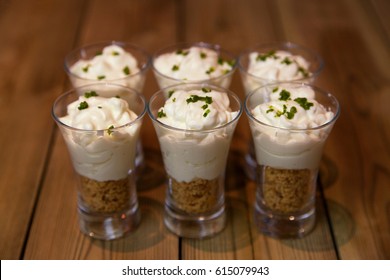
195,226
140,165
250,161
250,166
284,225
139,154
139,158
109,226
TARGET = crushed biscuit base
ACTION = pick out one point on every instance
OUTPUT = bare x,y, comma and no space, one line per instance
197,196
104,197
286,190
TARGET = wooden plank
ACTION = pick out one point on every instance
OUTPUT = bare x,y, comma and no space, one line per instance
234,242
361,157
36,174
35,37
317,245
137,22
233,25
371,24
364,162
55,233
356,160
253,22
382,7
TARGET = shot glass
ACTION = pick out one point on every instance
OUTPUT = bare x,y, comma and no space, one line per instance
103,159
193,62
294,70
94,64
195,162
287,166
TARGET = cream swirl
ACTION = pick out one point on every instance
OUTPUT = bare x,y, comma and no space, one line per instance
292,127
292,108
278,66
112,63
103,146
195,63
196,109
98,113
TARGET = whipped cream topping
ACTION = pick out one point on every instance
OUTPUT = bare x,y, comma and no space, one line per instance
200,151
98,113
290,138
293,108
195,63
278,66
196,109
111,64
104,147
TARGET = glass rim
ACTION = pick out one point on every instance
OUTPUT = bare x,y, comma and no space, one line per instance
215,47
74,90
198,85
294,130
144,67
283,45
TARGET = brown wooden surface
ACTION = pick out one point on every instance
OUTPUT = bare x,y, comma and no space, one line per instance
38,218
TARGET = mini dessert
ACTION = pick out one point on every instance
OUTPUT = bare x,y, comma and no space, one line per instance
278,65
271,63
289,144
112,63
195,161
278,62
102,144
194,124
195,63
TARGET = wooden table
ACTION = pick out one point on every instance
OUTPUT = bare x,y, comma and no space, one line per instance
38,218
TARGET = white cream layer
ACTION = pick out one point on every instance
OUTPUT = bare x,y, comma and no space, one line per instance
101,150
190,154
113,63
278,66
274,66
192,64
299,142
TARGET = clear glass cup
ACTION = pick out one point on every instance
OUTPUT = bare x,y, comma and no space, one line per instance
287,166
104,164
195,162
197,66
252,80
132,79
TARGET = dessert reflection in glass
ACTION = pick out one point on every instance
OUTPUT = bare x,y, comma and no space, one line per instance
290,123
197,62
100,124
275,62
110,62
195,124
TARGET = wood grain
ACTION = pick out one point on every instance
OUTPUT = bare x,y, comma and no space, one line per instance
151,240
38,217
28,85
